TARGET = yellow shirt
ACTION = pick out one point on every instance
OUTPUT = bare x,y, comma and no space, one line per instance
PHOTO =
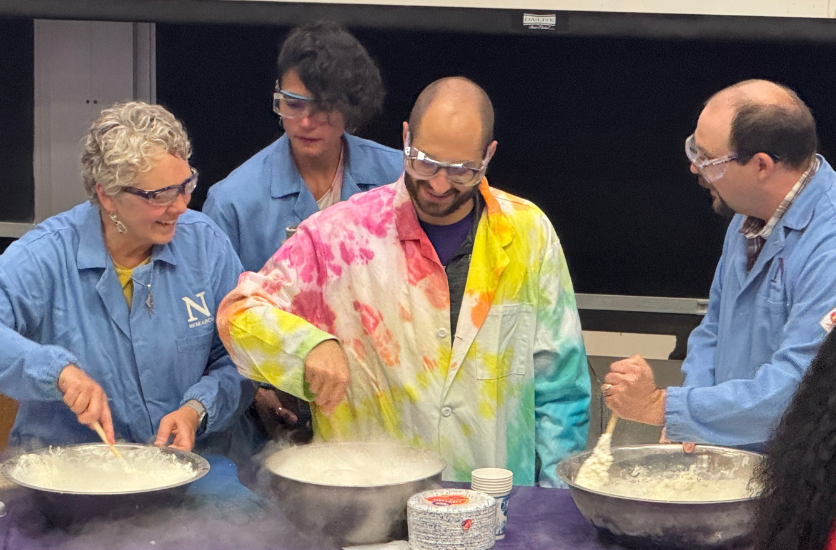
124,274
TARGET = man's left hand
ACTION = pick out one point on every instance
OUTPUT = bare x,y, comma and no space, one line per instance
630,391
687,447
183,425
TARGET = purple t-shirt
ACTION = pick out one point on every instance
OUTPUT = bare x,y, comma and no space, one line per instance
446,239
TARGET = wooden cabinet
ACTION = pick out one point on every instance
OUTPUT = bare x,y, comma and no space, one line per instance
8,410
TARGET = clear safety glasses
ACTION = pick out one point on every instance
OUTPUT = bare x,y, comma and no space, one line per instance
294,106
421,166
712,169
166,195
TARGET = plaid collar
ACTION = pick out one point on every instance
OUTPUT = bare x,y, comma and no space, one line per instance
755,227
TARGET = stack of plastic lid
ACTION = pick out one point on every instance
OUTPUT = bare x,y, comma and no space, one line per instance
451,519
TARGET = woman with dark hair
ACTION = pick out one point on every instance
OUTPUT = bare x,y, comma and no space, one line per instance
799,478
328,87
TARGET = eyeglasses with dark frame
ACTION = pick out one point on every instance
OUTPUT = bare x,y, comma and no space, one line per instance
166,195
420,165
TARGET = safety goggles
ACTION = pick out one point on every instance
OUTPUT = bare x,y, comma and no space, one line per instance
712,169
421,166
294,106
166,195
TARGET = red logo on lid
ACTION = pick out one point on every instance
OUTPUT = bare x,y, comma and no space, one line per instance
448,500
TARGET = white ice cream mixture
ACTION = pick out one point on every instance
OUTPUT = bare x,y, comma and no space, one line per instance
698,483
353,466
594,472
692,485
93,469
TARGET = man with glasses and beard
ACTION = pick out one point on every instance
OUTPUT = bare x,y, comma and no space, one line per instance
773,298
436,311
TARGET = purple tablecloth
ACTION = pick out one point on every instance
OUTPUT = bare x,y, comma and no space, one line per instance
219,513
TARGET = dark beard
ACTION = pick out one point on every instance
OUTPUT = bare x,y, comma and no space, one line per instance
461,197
719,206
722,209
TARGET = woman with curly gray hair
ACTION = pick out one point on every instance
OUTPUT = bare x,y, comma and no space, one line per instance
328,87
109,307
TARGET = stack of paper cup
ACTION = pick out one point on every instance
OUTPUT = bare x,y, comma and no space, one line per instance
496,482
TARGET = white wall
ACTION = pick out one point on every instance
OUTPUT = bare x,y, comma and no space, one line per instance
625,344
774,8
81,67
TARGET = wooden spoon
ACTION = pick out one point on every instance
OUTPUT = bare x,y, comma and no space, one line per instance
611,424
113,449
594,472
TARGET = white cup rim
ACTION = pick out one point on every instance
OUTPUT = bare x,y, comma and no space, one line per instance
484,480
492,490
492,474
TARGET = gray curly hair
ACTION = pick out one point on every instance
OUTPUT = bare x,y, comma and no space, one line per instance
125,140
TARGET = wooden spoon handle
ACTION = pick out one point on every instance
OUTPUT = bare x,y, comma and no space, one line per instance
100,431
611,424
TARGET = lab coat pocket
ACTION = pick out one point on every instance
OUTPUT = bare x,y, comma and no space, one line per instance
505,341
771,314
772,294
772,298
195,343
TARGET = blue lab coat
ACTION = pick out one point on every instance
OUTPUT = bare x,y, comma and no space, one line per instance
260,199
762,328
61,303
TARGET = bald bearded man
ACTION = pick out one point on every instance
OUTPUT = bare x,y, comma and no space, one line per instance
436,310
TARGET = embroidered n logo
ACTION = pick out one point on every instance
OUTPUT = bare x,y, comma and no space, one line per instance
192,304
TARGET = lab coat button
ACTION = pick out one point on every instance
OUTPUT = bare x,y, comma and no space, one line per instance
441,333
446,411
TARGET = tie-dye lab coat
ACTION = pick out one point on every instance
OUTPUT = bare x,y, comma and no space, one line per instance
514,381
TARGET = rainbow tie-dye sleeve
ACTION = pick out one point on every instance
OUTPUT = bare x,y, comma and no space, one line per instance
561,374
267,342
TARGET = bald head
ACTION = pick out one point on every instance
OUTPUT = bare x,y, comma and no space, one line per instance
455,97
762,116
756,91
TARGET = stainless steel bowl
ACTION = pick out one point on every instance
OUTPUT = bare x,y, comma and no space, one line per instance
667,524
65,508
351,514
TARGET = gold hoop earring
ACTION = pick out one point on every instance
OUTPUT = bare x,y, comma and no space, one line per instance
120,227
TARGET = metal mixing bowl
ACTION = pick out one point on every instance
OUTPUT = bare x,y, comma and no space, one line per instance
65,508
667,524
359,514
